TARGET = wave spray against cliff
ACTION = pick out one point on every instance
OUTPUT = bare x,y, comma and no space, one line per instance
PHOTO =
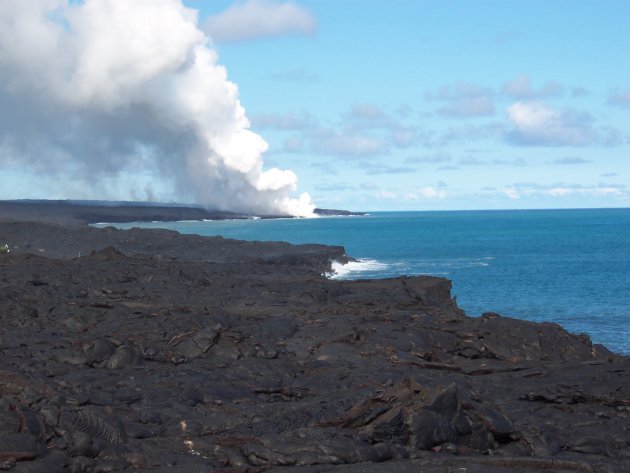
101,90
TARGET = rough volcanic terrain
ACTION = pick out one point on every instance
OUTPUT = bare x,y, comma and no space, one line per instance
150,351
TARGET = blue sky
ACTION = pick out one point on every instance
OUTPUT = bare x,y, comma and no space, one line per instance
369,105
397,105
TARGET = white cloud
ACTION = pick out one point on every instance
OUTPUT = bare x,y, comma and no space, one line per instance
366,116
562,190
518,162
512,193
377,168
363,131
521,88
531,115
569,160
464,100
468,107
255,19
329,142
385,194
592,191
430,192
468,132
284,121
536,124
367,111
404,137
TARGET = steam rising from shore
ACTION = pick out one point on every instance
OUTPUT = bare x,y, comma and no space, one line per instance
103,89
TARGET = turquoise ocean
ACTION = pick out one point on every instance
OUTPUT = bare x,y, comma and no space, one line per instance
566,266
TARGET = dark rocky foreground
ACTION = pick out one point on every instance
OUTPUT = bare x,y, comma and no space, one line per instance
151,351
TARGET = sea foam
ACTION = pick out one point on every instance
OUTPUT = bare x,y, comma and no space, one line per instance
354,269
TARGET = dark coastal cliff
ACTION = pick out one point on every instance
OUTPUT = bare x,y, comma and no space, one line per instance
150,351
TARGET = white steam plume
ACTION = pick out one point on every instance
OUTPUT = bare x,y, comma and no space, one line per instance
102,89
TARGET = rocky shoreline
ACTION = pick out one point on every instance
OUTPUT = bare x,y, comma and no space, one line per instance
151,351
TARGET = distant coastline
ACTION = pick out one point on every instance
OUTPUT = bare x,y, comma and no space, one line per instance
82,212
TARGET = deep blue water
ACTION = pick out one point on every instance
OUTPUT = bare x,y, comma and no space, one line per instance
566,266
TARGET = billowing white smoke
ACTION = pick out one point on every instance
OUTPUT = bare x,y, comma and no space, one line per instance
102,89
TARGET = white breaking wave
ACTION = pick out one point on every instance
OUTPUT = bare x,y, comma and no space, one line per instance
373,268
355,268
